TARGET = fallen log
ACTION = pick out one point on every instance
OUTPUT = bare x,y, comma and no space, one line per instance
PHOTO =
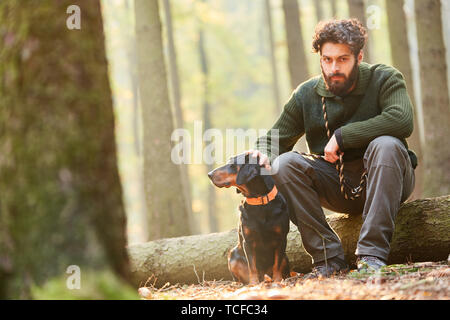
422,233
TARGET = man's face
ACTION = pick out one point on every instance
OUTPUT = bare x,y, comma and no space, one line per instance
339,67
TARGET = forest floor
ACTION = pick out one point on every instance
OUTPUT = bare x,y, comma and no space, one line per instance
414,281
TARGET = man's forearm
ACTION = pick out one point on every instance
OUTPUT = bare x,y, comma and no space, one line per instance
396,118
270,144
359,134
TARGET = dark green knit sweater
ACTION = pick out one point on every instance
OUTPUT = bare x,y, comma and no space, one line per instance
379,105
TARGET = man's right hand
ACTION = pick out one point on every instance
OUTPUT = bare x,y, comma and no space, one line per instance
263,159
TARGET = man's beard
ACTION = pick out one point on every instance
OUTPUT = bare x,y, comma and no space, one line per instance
340,88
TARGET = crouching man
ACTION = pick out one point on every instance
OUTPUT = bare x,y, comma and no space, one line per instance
361,112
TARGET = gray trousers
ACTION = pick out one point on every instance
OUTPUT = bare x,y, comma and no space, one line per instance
309,184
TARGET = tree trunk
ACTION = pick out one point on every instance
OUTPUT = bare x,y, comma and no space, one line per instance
318,9
59,180
297,63
333,8
273,61
173,68
132,69
357,10
398,37
435,98
211,198
422,233
162,178
176,103
298,66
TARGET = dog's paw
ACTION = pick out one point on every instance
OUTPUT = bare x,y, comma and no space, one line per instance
267,278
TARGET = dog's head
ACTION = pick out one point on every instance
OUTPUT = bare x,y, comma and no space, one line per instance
237,172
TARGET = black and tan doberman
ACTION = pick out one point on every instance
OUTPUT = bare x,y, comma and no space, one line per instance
263,223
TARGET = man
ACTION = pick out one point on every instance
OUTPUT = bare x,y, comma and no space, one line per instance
369,116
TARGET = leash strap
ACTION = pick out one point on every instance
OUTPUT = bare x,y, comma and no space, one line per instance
355,192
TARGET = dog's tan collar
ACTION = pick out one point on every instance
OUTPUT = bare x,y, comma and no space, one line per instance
263,199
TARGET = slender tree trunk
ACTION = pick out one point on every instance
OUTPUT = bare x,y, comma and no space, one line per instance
298,66
435,98
297,63
357,10
176,102
162,178
61,197
132,67
333,8
318,9
398,37
213,225
273,62
173,68
135,90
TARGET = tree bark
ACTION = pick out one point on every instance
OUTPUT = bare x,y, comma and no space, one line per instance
176,103
206,111
422,233
400,52
297,64
273,61
165,200
435,98
61,197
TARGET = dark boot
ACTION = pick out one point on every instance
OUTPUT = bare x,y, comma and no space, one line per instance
327,268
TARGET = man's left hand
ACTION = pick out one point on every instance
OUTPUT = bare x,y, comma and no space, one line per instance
332,150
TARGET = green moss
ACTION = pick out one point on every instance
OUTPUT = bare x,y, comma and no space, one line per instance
95,285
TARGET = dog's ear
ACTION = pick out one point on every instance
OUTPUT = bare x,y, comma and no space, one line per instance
247,173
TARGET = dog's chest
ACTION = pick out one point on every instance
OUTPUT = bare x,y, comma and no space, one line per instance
263,219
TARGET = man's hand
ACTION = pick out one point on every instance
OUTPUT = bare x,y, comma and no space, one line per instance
332,150
263,159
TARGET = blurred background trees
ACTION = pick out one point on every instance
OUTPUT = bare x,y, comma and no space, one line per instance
165,200
400,53
435,100
231,71
66,186
357,9
298,67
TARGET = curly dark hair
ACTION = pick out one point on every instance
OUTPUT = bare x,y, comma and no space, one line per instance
350,32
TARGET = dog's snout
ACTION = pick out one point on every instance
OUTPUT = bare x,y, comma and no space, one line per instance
210,174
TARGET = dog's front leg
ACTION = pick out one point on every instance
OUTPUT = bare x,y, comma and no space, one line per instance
251,258
277,274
